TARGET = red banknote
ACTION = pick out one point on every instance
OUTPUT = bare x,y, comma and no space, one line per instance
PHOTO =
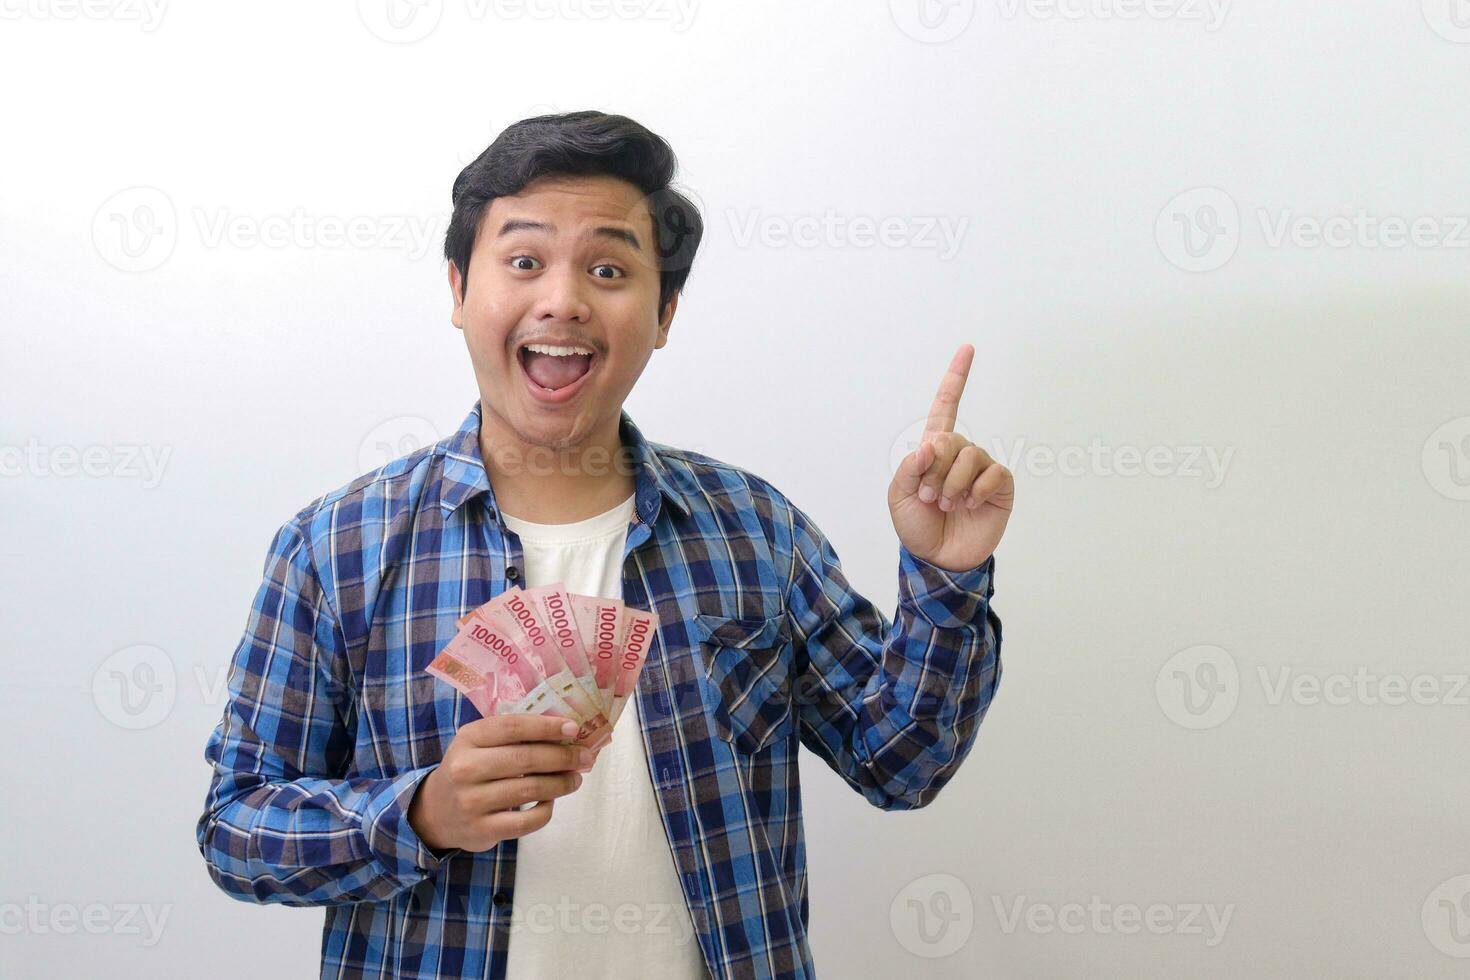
547,651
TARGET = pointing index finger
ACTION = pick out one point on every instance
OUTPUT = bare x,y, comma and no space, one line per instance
946,405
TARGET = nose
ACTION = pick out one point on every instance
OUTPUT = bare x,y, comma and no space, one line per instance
561,296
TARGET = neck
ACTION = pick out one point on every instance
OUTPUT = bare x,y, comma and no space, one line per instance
547,485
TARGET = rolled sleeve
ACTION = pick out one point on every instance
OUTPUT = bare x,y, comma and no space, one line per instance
391,837
943,598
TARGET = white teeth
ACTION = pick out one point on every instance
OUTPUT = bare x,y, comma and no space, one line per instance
557,351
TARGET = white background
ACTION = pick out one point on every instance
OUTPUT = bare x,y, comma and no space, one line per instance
1060,139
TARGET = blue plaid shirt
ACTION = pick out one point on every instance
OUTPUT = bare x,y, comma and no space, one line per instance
763,645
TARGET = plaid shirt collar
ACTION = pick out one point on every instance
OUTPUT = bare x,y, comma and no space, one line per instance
465,477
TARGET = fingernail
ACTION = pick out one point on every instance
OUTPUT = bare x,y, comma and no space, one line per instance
946,504
927,494
576,781
585,757
570,728
970,503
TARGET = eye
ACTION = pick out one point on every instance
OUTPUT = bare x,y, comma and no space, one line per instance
523,258
612,268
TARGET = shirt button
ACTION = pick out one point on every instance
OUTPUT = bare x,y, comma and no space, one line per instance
512,573
500,899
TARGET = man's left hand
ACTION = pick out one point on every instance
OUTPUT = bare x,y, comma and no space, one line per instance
949,499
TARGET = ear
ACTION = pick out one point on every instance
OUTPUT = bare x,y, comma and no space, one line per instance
666,321
456,284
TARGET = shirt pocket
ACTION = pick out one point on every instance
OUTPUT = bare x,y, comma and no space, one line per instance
747,667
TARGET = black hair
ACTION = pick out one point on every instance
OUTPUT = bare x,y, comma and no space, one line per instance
579,143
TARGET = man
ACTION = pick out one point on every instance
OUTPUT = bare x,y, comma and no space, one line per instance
346,777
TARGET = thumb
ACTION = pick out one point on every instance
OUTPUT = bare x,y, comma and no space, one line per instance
911,470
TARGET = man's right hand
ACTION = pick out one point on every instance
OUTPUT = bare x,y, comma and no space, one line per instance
494,765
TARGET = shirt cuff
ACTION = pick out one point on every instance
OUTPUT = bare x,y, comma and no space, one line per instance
389,834
945,599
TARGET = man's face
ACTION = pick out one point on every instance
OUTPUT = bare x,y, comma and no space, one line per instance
568,262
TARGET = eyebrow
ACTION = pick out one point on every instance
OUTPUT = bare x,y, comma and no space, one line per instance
618,234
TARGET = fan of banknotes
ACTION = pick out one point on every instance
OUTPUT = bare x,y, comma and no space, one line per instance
547,651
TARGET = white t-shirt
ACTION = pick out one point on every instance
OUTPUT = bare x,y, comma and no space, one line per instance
596,892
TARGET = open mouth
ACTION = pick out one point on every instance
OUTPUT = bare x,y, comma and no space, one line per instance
555,370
